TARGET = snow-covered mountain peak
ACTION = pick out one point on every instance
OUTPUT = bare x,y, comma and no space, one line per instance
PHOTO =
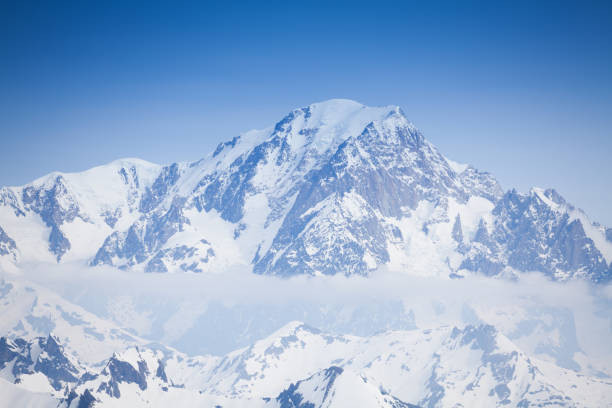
456,166
292,328
289,336
98,173
325,125
321,126
551,198
335,387
333,187
337,104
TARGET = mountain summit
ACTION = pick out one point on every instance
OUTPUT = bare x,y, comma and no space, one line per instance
334,187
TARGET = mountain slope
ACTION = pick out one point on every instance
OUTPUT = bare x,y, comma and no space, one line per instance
335,388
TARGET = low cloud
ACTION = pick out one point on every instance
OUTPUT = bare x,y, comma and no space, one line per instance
561,321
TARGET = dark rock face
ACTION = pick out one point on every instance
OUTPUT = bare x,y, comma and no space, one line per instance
121,371
530,235
51,360
178,254
9,199
9,350
161,371
58,243
457,230
222,146
7,244
144,238
481,183
291,397
436,391
23,359
54,364
227,194
111,217
56,206
87,400
160,188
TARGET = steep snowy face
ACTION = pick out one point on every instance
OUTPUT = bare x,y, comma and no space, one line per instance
335,388
335,187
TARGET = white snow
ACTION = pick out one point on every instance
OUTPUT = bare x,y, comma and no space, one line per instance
456,166
13,395
596,234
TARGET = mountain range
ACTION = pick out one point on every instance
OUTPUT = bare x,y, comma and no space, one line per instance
332,188
103,276
470,366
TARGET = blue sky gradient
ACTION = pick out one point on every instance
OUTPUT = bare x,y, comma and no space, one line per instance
521,89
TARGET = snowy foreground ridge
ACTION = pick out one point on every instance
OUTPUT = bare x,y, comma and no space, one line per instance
333,188
297,366
336,259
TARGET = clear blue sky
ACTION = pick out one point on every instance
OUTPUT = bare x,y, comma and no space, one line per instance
521,89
